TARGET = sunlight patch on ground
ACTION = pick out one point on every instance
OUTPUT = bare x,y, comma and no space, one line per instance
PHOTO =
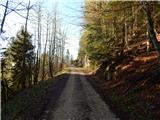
145,58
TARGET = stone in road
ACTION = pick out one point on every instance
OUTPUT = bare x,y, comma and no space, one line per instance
78,101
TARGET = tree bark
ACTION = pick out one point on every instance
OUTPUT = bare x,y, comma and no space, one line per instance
50,65
45,48
28,9
125,31
23,83
100,72
4,17
38,60
150,27
134,15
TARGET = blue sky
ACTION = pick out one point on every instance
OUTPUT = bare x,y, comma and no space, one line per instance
70,12
72,17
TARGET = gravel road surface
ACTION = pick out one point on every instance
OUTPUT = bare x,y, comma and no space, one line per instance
77,101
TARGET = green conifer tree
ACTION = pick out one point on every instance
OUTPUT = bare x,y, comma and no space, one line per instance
23,56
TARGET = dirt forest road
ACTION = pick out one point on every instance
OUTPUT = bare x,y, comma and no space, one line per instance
77,101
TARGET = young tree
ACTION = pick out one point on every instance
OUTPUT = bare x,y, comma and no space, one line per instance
22,54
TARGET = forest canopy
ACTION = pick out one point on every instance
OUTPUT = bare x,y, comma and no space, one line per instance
113,27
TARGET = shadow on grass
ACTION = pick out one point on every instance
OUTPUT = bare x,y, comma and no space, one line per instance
30,103
126,107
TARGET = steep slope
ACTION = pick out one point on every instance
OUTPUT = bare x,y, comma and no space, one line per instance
134,91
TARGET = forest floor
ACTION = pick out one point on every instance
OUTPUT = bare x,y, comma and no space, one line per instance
134,91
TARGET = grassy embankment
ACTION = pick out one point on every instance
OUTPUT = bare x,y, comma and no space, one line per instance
29,103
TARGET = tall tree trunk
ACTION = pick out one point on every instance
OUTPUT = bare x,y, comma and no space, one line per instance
63,47
30,74
150,27
50,65
114,28
38,53
4,17
100,72
125,31
24,50
28,9
45,48
134,15
54,38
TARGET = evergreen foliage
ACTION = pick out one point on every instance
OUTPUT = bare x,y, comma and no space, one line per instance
19,60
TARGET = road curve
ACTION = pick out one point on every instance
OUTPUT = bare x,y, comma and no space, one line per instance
78,101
